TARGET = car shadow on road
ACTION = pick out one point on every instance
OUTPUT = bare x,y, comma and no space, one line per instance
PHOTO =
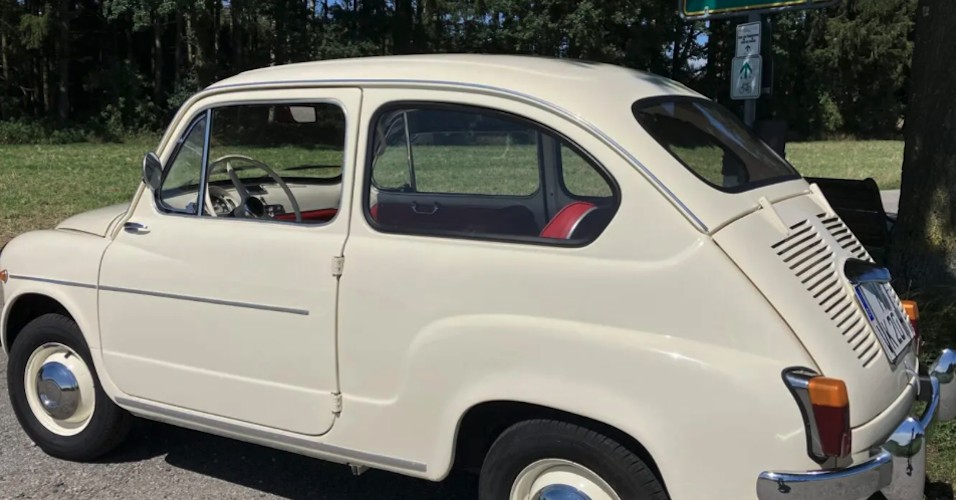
276,472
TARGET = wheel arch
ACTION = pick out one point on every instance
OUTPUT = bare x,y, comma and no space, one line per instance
25,308
482,423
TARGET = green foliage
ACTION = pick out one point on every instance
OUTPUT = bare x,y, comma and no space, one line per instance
34,29
35,132
829,119
21,132
131,63
863,57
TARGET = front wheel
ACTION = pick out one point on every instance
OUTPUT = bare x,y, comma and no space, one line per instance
56,395
552,460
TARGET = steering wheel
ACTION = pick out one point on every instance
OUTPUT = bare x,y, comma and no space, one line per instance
244,195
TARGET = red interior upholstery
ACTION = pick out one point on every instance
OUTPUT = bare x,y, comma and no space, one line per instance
322,214
566,220
373,210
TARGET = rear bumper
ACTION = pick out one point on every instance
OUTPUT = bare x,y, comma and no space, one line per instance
897,469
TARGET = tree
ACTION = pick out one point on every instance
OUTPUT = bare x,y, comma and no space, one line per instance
860,62
923,252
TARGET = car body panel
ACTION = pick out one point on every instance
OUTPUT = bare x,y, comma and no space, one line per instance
96,222
196,301
673,326
844,347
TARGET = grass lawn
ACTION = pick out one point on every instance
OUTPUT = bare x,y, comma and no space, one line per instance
881,160
41,185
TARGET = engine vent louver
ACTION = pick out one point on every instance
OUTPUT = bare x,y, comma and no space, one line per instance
812,260
844,237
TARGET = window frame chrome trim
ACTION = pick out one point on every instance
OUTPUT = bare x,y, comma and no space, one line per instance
491,89
158,202
165,211
537,126
201,203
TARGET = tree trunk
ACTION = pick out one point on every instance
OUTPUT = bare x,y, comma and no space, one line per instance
924,240
178,56
402,27
63,62
45,84
5,50
190,39
711,76
157,58
217,22
234,18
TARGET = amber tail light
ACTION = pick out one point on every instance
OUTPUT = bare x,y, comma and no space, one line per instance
912,311
831,411
825,406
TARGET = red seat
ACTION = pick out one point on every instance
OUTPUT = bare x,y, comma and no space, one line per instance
322,214
562,225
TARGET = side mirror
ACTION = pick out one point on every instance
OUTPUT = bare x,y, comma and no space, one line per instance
152,171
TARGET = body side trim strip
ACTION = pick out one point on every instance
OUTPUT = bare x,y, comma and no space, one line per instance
205,300
361,456
52,281
247,305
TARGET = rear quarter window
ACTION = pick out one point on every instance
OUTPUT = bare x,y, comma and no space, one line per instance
712,143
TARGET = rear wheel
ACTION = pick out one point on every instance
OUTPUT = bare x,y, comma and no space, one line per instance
553,460
56,395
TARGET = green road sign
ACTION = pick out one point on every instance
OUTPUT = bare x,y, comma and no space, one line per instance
719,8
745,79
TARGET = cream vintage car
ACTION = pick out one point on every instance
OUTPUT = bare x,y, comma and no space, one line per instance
583,281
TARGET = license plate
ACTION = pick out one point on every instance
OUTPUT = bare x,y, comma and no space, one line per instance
892,328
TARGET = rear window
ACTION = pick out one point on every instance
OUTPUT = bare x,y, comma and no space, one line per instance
712,143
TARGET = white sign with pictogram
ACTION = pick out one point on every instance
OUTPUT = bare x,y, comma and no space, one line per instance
745,79
748,39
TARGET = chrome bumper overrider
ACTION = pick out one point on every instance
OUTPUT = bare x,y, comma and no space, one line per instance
897,470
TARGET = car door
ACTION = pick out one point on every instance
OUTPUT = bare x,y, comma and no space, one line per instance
228,308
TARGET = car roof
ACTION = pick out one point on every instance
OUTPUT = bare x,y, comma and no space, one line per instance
545,77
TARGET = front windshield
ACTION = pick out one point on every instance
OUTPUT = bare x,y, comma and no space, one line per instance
712,143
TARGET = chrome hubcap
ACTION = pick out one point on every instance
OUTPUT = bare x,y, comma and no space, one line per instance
58,390
557,479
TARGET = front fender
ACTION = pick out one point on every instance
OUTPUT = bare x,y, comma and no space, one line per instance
62,265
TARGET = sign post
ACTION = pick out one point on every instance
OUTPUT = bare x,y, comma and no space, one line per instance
746,80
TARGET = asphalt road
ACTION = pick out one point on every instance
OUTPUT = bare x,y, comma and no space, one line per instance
891,200
161,461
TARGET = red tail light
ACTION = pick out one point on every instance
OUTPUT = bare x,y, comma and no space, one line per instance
831,412
825,406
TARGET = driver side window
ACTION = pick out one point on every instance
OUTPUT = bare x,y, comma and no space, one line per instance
276,162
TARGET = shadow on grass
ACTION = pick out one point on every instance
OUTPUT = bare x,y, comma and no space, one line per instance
936,490
276,472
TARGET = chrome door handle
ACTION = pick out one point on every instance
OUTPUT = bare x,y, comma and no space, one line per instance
135,227
420,210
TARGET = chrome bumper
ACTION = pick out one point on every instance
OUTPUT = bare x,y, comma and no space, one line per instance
898,470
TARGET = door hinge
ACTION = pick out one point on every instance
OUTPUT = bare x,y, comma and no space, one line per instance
337,403
338,263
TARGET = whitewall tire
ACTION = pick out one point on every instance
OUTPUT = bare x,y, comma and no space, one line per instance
56,395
